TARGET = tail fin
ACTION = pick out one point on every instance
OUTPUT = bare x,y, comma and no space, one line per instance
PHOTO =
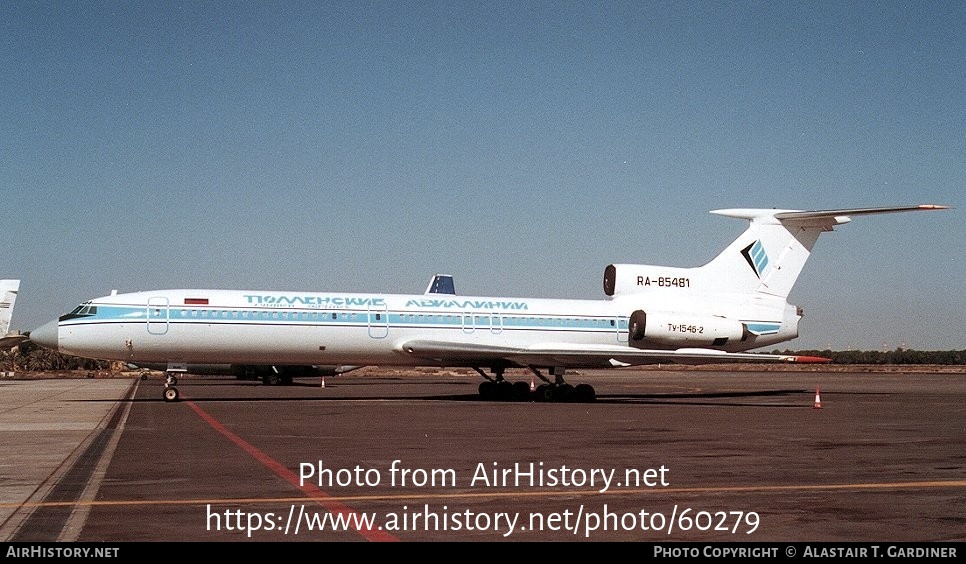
8,297
767,258
441,284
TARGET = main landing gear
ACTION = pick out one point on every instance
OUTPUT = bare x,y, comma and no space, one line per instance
170,391
498,388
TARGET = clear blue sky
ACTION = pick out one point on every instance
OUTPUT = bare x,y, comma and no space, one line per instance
519,146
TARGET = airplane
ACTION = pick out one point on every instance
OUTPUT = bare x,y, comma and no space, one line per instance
712,313
8,297
441,284
274,375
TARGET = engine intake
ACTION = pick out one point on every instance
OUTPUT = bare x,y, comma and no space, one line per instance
637,278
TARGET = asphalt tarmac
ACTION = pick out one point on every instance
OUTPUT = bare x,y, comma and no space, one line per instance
381,455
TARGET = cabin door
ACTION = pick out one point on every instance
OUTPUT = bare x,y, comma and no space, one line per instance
158,315
378,321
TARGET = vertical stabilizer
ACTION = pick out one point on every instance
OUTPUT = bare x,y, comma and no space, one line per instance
8,297
766,259
441,284
770,255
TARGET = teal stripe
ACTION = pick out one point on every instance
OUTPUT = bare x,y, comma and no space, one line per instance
136,314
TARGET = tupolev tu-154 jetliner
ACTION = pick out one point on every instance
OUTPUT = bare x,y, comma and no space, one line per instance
712,313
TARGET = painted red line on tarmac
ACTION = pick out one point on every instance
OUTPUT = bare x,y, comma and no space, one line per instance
316,493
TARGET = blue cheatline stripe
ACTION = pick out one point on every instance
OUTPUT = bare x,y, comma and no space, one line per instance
232,316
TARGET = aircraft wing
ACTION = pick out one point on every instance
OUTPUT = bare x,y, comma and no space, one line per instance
564,354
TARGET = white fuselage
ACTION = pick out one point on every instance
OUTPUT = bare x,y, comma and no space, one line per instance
269,327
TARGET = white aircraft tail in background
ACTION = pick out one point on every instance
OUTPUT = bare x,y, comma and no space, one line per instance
8,298
441,284
712,313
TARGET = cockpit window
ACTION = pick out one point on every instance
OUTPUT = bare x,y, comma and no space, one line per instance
83,310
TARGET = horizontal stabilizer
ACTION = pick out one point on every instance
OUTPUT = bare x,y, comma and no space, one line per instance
763,215
805,215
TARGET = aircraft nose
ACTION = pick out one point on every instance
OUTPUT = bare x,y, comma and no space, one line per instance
47,335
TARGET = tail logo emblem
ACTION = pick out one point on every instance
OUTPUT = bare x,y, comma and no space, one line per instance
757,257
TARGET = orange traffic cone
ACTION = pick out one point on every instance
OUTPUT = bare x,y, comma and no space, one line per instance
322,385
818,399
533,385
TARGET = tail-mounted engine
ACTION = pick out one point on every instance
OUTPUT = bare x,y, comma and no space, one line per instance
646,330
